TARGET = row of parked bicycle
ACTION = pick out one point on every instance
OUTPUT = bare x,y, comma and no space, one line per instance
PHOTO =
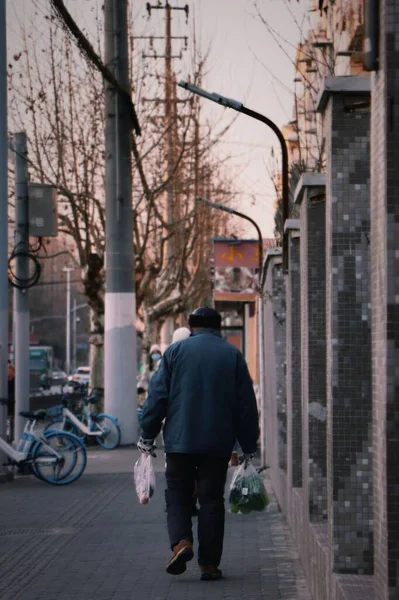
57,453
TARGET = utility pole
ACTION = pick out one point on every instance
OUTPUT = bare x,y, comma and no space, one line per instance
21,294
68,270
3,227
171,248
120,364
167,329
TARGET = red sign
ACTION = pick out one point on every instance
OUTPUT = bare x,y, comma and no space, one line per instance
235,270
237,253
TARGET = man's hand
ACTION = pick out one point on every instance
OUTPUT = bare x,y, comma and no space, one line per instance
146,446
245,458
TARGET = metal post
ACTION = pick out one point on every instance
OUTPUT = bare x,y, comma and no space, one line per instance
120,363
3,225
68,321
74,323
21,296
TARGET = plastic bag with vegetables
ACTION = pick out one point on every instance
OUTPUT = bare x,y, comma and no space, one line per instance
144,478
247,490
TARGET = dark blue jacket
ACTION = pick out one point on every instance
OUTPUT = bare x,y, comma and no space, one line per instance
204,392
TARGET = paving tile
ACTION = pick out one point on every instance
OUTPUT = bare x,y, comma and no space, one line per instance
93,541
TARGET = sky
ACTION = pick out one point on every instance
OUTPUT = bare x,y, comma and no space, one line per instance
245,63
248,61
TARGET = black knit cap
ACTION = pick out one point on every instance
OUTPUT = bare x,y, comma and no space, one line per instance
205,317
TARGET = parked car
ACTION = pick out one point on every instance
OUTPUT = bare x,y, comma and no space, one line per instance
58,375
81,375
40,366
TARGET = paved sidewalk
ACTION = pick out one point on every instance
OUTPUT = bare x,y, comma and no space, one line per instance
93,541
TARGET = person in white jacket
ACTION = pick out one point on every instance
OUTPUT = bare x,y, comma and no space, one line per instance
181,334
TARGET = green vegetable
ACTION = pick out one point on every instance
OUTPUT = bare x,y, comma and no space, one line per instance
247,492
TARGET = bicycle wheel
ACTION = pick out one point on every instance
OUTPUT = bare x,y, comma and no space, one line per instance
111,436
44,461
70,427
68,466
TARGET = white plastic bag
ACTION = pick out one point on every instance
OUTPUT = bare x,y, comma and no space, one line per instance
247,490
144,478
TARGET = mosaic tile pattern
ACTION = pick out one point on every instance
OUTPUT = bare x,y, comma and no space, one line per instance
314,402
294,367
279,325
275,416
385,297
348,317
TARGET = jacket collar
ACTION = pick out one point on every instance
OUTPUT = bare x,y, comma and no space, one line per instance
206,332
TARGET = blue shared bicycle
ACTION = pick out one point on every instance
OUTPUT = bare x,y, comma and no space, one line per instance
57,457
81,419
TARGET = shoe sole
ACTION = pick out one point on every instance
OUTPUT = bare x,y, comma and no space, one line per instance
177,565
211,576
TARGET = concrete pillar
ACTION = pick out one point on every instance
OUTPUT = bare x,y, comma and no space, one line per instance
344,102
385,302
294,375
310,197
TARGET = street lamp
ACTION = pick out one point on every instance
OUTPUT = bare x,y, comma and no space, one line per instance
239,107
68,319
232,211
75,321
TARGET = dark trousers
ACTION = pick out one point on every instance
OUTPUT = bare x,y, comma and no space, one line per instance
182,471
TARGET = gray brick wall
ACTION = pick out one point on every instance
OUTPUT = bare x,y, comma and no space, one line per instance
313,307
294,371
385,302
349,431
279,324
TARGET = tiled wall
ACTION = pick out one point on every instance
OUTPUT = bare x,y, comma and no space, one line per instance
349,431
313,307
279,310
385,300
361,268
294,371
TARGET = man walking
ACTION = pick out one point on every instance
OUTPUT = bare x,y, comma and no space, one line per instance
204,392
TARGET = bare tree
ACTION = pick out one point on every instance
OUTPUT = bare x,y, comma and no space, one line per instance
58,98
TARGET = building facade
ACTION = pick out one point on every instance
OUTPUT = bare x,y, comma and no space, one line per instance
338,486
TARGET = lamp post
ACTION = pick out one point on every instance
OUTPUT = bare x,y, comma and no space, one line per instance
75,321
232,211
68,320
239,107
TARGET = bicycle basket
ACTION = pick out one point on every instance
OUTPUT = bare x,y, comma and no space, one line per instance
55,412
